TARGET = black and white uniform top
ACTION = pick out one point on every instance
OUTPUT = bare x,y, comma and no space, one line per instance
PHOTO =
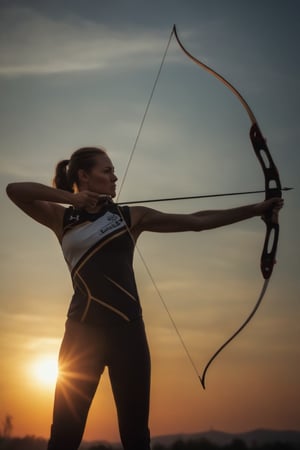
99,252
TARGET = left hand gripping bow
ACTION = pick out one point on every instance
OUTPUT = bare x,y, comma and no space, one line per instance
272,189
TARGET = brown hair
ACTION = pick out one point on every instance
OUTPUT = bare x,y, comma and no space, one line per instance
66,172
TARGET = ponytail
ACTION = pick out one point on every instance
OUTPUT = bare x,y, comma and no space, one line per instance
66,173
61,179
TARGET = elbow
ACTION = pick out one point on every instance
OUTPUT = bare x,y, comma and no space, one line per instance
12,190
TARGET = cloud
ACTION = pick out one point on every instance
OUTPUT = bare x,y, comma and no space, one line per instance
33,44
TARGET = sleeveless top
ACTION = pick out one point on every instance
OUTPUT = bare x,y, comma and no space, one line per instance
99,252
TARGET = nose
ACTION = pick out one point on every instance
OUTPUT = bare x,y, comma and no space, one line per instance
115,178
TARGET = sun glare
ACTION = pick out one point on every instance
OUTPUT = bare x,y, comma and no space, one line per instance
45,370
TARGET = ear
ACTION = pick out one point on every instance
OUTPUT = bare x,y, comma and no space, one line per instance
82,176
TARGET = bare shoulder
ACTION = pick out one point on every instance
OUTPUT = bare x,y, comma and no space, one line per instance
46,213
137,218
138,215
148,219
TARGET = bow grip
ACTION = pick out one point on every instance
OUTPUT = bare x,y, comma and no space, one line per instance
268,256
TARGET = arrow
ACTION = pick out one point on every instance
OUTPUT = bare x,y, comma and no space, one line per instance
171,199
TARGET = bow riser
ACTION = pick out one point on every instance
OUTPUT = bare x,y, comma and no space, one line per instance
272,189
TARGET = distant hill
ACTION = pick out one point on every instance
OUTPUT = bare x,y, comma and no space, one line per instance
259,436
252,439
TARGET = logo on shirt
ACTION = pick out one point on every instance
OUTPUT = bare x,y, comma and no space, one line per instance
109,222
74,218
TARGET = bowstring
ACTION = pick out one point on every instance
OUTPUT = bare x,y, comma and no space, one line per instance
144,262
144,118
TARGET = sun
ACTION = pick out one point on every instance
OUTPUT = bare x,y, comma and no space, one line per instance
45,370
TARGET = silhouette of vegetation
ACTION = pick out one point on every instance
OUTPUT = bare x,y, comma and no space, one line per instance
25,443
34,443
7,427
100,447
7,442
236,444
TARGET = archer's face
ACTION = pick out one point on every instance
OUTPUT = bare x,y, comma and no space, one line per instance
101,178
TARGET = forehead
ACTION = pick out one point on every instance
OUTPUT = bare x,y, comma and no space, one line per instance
103,160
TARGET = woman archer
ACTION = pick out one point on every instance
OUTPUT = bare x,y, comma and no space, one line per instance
104,325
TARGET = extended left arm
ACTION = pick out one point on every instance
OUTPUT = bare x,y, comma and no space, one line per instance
147,219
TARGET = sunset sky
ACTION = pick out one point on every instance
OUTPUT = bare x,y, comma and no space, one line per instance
77,73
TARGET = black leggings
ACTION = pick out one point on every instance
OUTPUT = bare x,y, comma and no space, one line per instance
84,353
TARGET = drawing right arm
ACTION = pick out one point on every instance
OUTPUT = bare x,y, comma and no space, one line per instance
44,203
